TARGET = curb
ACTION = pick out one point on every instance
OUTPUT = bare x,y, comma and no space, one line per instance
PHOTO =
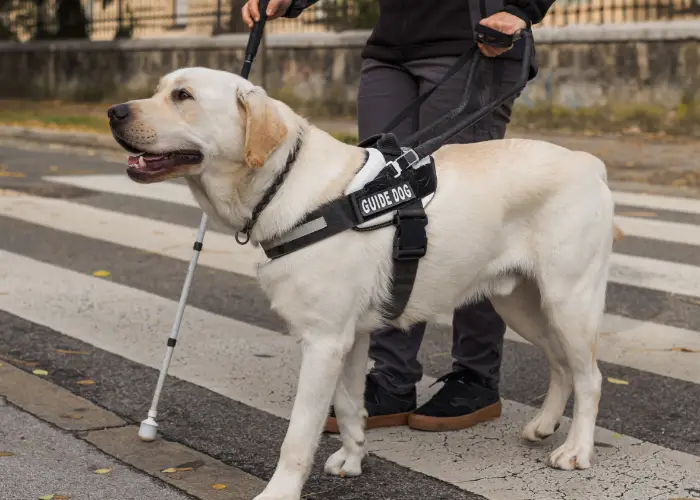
106,431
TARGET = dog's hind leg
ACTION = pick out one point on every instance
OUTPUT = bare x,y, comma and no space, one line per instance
575,314
350,411
324,351
522,312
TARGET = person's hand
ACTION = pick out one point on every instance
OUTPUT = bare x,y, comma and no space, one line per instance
251,12
503,22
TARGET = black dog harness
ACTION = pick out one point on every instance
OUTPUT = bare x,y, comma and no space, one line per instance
403,186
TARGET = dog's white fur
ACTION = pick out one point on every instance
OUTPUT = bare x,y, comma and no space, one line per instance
527,223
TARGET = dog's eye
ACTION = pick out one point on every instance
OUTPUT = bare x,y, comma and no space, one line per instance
181,95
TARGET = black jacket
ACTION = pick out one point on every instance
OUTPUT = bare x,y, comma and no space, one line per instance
417,29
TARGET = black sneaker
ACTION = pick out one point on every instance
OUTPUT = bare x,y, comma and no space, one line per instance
384,409
465,400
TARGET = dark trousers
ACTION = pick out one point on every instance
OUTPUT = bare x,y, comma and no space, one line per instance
385,89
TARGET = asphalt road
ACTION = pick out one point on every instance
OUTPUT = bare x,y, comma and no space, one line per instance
65,215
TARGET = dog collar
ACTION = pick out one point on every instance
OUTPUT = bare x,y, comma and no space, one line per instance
243,236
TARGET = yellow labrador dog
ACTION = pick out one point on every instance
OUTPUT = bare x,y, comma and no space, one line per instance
527,223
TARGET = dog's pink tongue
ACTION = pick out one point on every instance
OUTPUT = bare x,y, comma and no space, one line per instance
148,157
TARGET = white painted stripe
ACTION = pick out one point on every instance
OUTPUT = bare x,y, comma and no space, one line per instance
674,232
649,347
487,459
660,275
180,194
122,185
657,202
163,238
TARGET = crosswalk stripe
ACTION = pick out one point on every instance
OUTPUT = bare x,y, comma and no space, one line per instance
180,194
657,202
673,232
654,274
487,459
122,185
142,233
221,252
649,347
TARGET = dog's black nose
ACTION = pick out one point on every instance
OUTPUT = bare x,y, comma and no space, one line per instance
119,112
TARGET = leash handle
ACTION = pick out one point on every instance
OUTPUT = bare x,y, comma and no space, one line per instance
435,143
494,38
254,39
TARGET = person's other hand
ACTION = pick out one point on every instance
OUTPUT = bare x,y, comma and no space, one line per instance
503,22
251,11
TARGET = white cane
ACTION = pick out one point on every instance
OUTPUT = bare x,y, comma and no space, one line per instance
149,426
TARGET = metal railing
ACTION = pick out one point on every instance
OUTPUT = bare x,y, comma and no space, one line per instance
108,19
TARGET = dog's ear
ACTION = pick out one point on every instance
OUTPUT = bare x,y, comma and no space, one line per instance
264,127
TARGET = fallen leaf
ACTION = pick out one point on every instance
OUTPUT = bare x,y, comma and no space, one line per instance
6,454
40,372
68,351
103,471
48,497
61,497
86,382
638,214
218,486
53,168
101,274
1,364
684,349
16,175
617,381
177,469
616,435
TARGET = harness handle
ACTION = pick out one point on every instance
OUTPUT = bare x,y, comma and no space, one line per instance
435,143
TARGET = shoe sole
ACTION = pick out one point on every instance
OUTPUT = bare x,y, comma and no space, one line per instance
393,420
444,424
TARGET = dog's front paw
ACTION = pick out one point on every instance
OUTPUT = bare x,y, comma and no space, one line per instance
570,456
344,464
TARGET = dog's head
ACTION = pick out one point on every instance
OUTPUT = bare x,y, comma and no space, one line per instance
196,117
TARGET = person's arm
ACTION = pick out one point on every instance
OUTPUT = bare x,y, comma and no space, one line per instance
530,11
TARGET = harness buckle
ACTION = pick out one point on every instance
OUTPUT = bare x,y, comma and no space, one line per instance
410,238
403,162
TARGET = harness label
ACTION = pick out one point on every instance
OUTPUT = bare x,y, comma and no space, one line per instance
386,199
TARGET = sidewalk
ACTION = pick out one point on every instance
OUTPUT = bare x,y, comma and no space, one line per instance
53,442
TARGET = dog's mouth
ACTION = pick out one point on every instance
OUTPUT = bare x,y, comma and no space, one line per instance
147,167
